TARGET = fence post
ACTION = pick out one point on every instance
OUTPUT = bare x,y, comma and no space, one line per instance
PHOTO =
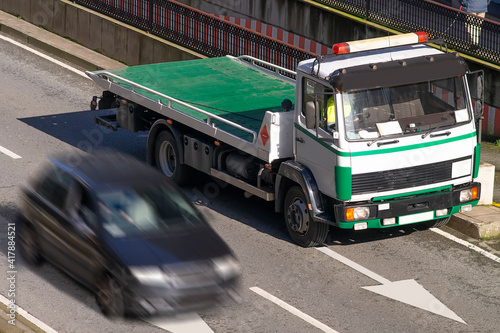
150,18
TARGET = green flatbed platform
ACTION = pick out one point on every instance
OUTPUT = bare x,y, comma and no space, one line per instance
224,87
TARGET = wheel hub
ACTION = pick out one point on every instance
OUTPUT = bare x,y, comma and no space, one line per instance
298,216
167,158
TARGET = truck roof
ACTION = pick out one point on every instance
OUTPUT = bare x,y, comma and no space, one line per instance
337,62
226,87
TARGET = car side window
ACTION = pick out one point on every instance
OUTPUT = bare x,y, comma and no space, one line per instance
78,206
54,187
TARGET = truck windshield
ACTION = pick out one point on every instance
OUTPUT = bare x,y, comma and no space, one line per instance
404,110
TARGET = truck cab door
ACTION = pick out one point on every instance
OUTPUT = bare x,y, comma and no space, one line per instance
316,140
475,81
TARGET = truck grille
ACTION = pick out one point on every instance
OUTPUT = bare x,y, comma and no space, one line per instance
402,178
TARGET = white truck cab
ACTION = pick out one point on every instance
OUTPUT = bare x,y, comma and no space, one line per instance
402,147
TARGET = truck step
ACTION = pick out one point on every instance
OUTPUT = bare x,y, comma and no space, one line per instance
108,121
263,194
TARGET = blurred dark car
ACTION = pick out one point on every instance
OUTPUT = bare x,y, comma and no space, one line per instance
125,231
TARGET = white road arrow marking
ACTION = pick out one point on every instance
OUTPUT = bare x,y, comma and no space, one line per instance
406,291
182,323
412,293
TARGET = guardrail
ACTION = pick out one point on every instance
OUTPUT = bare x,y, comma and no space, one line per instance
460,30
215,37
272,67
198,30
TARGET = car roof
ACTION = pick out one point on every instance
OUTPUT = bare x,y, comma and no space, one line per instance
106,168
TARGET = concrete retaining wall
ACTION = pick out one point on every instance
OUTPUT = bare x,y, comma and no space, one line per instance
299,17
97,32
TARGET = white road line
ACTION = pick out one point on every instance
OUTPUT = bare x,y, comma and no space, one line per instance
55,61
292,310
353,265
46,328
465,243
181,323
9,153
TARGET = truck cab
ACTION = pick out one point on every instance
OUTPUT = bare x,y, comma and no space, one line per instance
388,133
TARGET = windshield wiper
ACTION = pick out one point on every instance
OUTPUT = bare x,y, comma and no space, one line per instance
381,143
435,129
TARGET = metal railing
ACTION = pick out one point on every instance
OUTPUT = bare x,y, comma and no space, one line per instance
461,31
167,101
197,30
214,37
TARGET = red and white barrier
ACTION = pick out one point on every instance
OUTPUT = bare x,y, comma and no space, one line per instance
284,36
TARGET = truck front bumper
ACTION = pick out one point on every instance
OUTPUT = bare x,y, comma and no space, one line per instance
407,209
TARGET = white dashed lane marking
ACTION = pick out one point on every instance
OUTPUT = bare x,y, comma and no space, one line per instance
9,153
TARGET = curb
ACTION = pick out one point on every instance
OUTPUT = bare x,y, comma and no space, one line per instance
22,325
56,45
480,222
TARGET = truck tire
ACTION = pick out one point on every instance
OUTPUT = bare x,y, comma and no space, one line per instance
300,225
167,159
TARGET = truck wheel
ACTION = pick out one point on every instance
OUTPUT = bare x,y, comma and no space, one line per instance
441,222
167,159
302,228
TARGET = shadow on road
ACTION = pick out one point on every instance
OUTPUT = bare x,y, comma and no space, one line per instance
78,130
348,237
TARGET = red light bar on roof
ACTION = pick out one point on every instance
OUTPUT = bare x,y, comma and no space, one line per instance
380,43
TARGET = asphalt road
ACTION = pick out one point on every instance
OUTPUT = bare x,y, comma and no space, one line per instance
416,280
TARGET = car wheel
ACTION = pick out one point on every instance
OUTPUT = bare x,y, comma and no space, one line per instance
110,297
302,228
168,159
30,248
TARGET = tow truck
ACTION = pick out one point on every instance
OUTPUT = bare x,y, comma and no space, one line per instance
402,147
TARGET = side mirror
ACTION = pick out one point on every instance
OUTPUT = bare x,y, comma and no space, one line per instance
476,89
311,109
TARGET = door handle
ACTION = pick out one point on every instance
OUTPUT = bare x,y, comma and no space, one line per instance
299,139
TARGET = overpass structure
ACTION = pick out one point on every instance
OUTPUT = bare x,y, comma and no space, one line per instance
285,32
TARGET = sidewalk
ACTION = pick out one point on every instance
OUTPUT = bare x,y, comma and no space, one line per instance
56,45
22,325
480,222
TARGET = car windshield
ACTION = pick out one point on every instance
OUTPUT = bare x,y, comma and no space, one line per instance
424,106
146,209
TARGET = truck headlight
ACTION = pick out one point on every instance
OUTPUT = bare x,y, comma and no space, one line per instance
468,194
357,213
